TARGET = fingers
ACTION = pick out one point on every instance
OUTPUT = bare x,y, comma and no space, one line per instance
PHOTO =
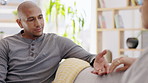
94,72
107,68
104,69
99,64
115,63
99,72
99,56
99,61
122,69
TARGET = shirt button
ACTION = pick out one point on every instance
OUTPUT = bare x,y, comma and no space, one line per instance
32,49
32,44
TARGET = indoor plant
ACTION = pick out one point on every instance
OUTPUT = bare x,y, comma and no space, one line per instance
75,19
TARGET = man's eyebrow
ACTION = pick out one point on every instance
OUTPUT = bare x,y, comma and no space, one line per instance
41,15
33,17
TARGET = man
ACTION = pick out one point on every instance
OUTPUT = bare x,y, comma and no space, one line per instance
33,57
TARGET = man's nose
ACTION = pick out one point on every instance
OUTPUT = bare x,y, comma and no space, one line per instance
37,23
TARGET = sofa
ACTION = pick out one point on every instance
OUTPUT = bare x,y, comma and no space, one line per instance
78,71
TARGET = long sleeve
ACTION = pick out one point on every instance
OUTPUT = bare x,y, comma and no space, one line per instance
3,61
69,49
138,72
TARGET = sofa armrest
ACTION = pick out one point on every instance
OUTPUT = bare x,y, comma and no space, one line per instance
85,76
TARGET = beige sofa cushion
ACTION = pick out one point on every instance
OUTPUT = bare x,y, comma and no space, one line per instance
69,69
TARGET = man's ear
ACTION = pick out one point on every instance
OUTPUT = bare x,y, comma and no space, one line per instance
19,22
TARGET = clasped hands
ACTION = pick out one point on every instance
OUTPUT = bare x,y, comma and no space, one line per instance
102,67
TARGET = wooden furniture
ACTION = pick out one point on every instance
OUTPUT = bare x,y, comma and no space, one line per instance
99,31
14,5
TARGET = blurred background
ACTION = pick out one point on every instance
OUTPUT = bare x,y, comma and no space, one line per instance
78,20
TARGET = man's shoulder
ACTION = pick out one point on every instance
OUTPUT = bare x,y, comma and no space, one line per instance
10,37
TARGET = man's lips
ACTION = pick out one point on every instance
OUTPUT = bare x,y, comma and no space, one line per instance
38,29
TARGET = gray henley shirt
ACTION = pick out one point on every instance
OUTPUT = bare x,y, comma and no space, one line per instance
36,61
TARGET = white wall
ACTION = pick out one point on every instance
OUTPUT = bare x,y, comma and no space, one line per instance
131,19
93,27
10,28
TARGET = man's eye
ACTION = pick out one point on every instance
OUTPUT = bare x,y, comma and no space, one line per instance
30,19
40,17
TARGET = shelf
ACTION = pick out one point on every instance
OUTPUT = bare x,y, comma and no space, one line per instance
111,29
120,32
7,21
10,4
123,50
117,9
127,29
130,29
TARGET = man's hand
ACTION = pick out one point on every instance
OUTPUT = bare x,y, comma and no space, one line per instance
101,66
126,61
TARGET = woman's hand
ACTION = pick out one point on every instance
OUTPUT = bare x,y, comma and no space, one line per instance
126,61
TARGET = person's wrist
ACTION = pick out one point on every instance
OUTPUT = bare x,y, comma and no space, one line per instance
92,63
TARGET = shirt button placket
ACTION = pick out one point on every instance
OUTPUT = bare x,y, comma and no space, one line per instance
32,50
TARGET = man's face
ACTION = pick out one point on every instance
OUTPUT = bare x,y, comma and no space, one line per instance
32,22
144,12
